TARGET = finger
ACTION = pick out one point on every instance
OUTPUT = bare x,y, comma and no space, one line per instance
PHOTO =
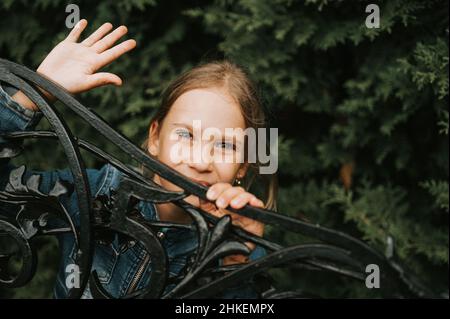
215,190
206,206
227,195
110,39
241,200
250,245
98,34
112,54
219,213
256,202
235,259
251,226
74,35
103,78
211,208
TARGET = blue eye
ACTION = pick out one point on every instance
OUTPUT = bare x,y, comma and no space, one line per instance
226,145
183,134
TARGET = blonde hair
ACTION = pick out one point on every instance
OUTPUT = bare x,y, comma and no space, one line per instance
228,75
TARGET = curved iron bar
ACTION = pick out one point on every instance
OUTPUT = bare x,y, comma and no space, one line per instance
29,257
357,250
120,222
29,223
306,251
207,251
16,192
211,247
85,249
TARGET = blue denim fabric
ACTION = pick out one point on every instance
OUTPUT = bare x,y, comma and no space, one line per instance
120,265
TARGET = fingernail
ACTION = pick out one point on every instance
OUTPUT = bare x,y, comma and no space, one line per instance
210,194
235,202
221,202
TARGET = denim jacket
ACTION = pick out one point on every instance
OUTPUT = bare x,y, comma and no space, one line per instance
122,267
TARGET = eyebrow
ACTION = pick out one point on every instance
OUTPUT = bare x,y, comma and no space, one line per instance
191,129
183,124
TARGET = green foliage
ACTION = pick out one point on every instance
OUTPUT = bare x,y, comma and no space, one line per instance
339,93
439,190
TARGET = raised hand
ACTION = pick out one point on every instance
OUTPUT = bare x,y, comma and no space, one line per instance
74,65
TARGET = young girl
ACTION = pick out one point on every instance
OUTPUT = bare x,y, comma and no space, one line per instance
218,94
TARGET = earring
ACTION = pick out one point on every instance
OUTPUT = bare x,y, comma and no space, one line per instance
238,182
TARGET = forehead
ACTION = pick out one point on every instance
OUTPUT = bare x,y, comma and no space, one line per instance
214,107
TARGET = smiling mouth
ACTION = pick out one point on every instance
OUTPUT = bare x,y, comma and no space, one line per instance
201,182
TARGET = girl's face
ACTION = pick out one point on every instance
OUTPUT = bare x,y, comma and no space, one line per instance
181,144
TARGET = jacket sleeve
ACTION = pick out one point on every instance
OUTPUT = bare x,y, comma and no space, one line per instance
14,117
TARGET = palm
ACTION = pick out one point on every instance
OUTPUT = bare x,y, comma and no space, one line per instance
70,59
74,65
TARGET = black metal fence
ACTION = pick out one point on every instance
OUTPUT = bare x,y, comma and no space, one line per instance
329,250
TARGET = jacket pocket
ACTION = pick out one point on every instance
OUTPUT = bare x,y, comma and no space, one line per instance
105,261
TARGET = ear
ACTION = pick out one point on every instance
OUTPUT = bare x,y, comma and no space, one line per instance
153,139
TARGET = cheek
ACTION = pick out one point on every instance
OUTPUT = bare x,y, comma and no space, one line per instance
226,171
167,146
164,156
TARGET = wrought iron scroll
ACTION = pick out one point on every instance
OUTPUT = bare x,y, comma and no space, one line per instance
335,251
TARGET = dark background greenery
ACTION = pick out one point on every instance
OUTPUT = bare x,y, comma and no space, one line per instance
362,113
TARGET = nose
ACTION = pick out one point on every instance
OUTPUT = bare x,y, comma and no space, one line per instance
201,159
200,167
